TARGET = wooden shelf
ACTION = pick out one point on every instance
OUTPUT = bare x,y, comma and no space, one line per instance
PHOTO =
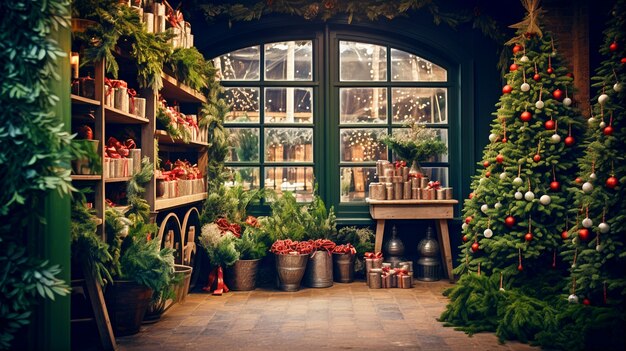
113,115
410,202
174,90
77,99
85,177
165,138
161,204
114,180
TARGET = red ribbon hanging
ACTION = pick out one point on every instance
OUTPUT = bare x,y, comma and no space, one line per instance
217,274
373,255
131,95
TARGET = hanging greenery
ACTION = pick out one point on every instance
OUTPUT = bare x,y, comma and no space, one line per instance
353,10
190,67
34,157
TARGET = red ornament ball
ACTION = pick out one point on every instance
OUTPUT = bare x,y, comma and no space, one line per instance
564,235
475,247
583,234
517,48
526,116
468,219
499,158
471,195
557,94
555,186
569,74
550,70
509,221
520,267
608,130
504,140
537,77
487,174
486,163
549,125
507,89
464,238
528,236
586,302
537,158
623,60
578,180
613,46
569,141
513,67
612,182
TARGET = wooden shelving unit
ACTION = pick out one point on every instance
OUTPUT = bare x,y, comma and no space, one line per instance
164,138
83,177
114,115
116,180
163,204
76,99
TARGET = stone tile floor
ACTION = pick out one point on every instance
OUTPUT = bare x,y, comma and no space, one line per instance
342,317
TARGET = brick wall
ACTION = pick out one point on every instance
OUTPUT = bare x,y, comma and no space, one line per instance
569,23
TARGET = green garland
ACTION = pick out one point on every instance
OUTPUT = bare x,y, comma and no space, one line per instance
190,67
35,154
353,10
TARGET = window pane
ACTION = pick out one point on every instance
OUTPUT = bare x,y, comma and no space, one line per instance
244,144
289,144
362,62
298,180
355,182
443,134
363,105
409,67
362,145
242,64
244,104
290,60
437,173
246,176
425,105
288,105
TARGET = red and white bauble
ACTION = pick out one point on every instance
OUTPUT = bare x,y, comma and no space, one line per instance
539,104
567,101
524,59
587,222
528,236
583,233
587,187
545,200
549,124
572,298
608,130
499,158
526,116
518,195
612,182
557,94
488,233
475,247
503,175
524,87
593,176
517,181
493,137
564,234
555,186
484,208
555,138
509,221
537,77
602,99
613,46
602,124
513,67
517,48
569,140
604,227
464,226
497,205
468,219
507,89
617,87
529,196
537,158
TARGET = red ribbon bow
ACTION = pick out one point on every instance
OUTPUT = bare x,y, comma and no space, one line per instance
345,249
373,255
434,184
108,82
192,123
216,276
174,17
225,226
117,83
131,94
400,164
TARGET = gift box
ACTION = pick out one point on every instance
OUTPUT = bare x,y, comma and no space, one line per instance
189,40
85,87
121,98
128,166
428,194
138,106
135,155
138,10
404,280
106,168
158,9
198,186
109,96
148,20
172,188
440,194
424,182
159,23
175,41
185,187
116,168
374,280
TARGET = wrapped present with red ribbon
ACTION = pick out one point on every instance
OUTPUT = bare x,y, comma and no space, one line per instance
434,184
131,100
404,278
108,93
345,249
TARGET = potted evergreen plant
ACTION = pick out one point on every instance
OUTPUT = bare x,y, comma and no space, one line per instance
350,240
242,275
320,225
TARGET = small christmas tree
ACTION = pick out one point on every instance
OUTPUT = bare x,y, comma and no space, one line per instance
598,232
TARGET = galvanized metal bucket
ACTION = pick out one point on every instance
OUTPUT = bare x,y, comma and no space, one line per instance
343,267
319,270
290,270
242,275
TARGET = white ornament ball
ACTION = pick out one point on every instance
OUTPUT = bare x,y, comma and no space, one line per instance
592,176
503,175
484,208
525,87
502,289
493,137
587,187
598,248
553,53
572,298
555,138
539,104
591,120
488,233
602,125
498,205
604,227
529,196
587,222
518,195
617,87
517,181
567,101
545,200
602,99
483,180
464,226
524,58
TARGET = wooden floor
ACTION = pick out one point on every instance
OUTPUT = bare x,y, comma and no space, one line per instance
342,317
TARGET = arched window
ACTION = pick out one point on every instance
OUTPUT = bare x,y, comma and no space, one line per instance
314,109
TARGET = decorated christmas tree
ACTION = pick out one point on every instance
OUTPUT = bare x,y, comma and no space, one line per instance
596,251
510,264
